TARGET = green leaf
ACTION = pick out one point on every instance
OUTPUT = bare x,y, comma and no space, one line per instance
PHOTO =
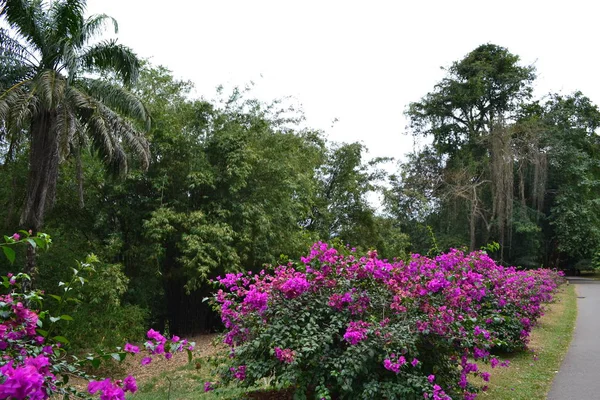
55,297
54,319
95,362
118,356
9,253
66,317
61,339
31,242
42,332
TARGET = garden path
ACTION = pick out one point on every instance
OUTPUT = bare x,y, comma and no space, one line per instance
579,374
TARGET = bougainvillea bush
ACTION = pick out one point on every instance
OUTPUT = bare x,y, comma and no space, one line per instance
342,326
33,361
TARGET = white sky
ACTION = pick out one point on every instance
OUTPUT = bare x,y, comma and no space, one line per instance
359,61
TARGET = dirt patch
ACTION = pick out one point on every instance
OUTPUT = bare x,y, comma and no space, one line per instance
271,395
206,345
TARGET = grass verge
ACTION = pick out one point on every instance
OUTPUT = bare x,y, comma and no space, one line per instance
530,374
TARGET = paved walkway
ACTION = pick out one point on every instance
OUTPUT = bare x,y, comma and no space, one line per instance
579,375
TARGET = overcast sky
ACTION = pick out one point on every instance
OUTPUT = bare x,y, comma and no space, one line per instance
360,62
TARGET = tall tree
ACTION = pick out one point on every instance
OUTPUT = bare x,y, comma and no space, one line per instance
467,115
482,89
49,88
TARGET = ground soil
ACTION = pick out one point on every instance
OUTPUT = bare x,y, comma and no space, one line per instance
206,345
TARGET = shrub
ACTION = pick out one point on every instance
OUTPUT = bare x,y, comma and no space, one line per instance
102,320
340,325
33,362
105,328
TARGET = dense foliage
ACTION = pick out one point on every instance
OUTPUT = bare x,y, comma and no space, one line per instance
342,325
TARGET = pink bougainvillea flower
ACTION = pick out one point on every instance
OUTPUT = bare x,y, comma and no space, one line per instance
356,332
285,355
129,384
129,348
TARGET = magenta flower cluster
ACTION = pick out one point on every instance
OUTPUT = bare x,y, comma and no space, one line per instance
160,345
294,287
356,332
463,299
285,355
26,380
394,363
25,366
109,390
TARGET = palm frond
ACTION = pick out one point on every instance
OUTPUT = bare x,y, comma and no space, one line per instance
11,75
66,129
50,87
24,105
94,25
109,132
17,106
12,51
117,165
124,132
27,17
110,56
118,99
70,61
67,18
77,99
93,121
134,139
9,96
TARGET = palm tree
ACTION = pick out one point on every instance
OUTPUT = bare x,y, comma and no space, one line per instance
50,89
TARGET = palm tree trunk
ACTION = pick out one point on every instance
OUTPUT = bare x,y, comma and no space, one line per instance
43,174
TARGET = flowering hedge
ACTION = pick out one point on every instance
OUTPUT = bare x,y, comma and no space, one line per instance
340,325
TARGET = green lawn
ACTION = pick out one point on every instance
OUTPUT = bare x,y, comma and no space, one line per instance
530,374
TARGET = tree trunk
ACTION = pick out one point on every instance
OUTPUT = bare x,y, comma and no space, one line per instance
473,220
10,214
41,182
80,177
